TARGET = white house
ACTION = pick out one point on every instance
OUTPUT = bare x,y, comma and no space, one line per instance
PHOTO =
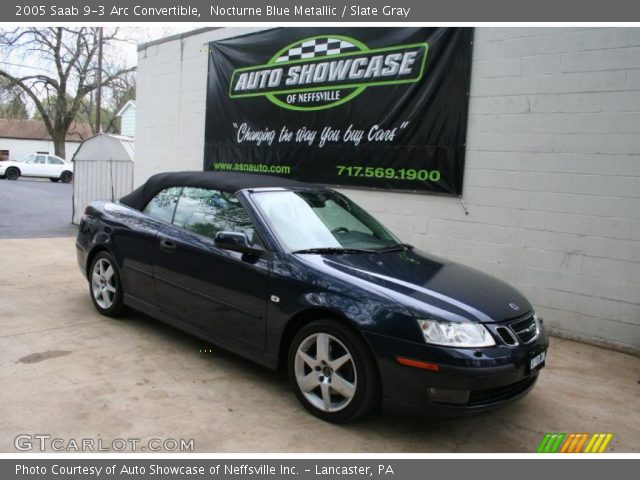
127,116
19,138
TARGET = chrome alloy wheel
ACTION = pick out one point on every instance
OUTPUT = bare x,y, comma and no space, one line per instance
325,372
103,283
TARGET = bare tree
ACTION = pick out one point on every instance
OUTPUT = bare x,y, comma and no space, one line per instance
12,103
117,95
68,61
123,90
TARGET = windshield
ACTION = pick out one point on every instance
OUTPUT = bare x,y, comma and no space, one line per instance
320,219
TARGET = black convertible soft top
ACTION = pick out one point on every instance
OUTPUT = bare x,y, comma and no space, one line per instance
225,181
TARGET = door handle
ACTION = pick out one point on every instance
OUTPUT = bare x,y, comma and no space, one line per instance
167,245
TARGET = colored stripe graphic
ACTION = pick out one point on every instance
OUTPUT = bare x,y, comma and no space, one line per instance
574,442
598,443
550,443
580,444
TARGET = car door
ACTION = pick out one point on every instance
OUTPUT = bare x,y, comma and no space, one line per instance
135,244
220,291
55,166
34,166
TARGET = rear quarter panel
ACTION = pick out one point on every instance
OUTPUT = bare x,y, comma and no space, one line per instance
129,236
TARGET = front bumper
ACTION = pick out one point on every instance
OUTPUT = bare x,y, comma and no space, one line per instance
482,378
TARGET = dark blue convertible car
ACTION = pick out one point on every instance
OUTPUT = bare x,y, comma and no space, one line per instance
297,276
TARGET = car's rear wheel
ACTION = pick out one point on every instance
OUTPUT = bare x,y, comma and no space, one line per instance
105,286
333,371
54,179
66,176
12,173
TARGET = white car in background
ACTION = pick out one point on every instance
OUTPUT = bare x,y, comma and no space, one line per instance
38,165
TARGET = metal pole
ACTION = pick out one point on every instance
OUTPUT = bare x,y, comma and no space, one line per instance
99,89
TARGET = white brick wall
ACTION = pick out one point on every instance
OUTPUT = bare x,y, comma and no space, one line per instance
552,180
170,103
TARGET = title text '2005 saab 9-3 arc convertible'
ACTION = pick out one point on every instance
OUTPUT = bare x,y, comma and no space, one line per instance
294,275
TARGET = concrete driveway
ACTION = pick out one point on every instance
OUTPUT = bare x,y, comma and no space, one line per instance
32,207
68,372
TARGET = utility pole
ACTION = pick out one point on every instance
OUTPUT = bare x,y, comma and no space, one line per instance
99,89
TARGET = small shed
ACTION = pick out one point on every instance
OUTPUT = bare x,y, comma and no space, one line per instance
102,170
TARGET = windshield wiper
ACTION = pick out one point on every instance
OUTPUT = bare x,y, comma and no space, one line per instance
395,247
328,250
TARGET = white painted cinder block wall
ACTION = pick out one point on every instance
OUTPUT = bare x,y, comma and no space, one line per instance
552,180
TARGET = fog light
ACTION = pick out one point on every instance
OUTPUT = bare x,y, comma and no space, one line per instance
442,395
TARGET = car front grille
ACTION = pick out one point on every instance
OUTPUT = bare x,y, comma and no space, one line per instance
526,329
507,336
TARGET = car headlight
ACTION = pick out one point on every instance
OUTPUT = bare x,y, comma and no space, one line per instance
452,334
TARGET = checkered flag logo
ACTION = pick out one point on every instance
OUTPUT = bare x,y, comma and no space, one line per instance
317,47
315,73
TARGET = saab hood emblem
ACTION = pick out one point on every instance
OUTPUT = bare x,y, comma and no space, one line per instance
514,306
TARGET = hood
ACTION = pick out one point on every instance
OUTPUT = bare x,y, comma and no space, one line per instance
428,285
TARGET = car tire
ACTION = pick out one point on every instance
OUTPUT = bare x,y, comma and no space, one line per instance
105,287
54,179
66,176
333,372
12,173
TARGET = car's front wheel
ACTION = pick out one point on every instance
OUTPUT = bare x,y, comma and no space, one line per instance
333,371
12,173
54,180
105,286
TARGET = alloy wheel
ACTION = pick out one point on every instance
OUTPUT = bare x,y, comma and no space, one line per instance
103,283
325,372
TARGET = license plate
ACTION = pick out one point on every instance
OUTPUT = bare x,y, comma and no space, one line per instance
537,361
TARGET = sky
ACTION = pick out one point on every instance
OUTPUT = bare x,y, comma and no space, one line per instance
147,34
126,52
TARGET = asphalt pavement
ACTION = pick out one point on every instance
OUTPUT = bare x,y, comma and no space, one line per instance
35,208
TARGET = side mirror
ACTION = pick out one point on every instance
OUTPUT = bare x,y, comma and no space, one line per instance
236,242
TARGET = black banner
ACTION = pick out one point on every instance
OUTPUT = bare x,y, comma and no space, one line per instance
364,107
